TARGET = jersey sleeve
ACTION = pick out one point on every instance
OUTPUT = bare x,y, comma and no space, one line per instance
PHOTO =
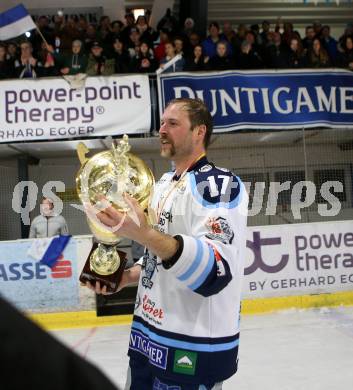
211,255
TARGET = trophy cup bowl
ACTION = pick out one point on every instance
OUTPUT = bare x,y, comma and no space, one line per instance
110,174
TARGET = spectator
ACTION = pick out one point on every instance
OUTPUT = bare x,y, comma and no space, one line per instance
247,59
26,66
222,60
73,63
147,34
329,43
6,66
170,53
159,51
12,51
196,62
130,23
134,42
277,53
209,45
296,57
309,38
168,23
90,37
265,29
144,61
228,34
68,34
251,37
46,59
193,41
179,45
105,33
121,57
317,56
317,26
117,27
82,27
239,38
346,57
189,26
287,33
98,64
48,224
43,26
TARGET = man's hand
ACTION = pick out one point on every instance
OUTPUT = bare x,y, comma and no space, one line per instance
132,224
65,70
130,276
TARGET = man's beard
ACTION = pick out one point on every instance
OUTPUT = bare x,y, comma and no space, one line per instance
167,152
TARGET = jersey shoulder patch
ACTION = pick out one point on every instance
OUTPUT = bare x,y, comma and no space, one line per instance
215,187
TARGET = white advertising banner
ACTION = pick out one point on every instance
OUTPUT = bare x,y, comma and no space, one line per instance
45,109
299,259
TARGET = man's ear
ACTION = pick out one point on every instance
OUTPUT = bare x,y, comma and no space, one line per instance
201,131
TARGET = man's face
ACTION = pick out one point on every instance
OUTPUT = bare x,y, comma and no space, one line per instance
227,28
221,49
176,138
46,207
2,52
310,33
97,51
26,49
76,47
214,31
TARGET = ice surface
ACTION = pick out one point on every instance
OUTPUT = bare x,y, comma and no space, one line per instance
289,350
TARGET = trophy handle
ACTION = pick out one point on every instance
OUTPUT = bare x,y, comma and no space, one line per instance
82,150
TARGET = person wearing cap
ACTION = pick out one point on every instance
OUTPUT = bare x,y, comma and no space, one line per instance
98,63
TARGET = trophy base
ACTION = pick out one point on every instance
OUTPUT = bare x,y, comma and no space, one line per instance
110,281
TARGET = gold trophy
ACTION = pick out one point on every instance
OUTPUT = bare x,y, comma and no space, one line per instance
110,173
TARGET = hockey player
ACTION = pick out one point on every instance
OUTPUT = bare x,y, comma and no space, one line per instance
185,330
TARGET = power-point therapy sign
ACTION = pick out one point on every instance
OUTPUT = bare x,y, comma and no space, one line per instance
51,109
299,259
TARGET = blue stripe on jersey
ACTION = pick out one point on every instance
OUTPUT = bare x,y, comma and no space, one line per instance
184,344
197,261
206,271
228,205
184,337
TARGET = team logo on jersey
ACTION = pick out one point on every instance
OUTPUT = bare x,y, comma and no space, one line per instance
206,168
149,265
219,230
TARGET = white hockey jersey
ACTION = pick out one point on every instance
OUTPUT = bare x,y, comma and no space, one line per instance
186,319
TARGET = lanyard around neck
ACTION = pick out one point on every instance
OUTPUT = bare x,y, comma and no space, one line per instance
161,205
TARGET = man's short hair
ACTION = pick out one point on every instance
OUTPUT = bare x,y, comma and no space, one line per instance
198,115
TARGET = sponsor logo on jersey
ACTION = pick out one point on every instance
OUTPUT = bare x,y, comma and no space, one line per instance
156,354
150,310
185,362
219,230
149,264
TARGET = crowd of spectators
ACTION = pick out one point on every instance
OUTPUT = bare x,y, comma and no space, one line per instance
74,46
